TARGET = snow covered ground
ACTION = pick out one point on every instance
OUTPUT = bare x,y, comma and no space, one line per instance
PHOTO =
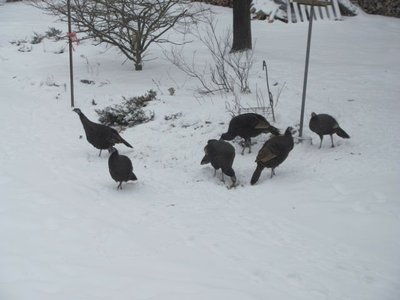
326,227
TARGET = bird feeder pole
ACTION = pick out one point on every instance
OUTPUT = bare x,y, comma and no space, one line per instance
71,67
312,3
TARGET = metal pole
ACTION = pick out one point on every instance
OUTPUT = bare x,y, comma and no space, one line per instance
306,71
71,67
271,98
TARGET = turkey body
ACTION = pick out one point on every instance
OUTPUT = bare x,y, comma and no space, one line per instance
221,155
100,136
273,153
246,126
324,124
120,167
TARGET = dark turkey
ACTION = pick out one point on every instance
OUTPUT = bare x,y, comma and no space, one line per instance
248,125
120,167
221,155
99,135
273,153
324,124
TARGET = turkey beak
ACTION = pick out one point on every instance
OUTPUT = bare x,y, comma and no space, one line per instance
205,160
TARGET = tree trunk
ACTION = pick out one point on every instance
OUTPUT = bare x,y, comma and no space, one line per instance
241,25
138,55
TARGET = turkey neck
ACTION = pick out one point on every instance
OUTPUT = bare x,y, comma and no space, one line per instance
83,118
85,121
114,155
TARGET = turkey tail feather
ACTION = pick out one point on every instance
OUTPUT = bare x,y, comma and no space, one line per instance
340,132
256,174
126,143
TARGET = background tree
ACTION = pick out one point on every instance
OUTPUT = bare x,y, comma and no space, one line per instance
131,26
241,25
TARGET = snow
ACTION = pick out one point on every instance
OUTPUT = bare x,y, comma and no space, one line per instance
266,6
326,227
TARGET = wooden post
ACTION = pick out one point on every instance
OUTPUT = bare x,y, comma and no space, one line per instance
71,65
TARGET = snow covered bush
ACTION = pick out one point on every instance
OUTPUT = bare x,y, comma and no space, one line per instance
54,34
51,34
37,38
129,113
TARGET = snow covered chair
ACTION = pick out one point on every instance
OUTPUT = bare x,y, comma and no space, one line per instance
297,12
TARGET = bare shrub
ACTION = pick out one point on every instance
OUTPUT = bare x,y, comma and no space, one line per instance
225,71
131,26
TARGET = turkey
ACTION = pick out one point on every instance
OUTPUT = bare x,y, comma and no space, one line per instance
248,125
273,153
324,124
221,155
120,167
99,135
